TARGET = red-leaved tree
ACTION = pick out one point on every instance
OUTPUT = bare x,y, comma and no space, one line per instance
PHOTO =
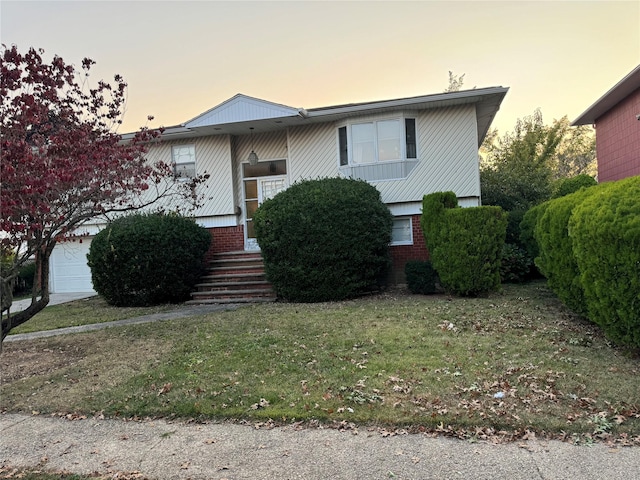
63,164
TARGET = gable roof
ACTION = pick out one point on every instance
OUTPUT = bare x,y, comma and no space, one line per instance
241,112
615,95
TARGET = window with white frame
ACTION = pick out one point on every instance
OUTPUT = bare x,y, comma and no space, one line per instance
385,140
184,161
402,231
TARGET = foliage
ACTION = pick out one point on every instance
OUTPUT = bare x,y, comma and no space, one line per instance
515,264
518,170
527,229
63,162
421,277
325,239
464,243
605,233
517,173
148,259
556,260
455,82
514,219
566,186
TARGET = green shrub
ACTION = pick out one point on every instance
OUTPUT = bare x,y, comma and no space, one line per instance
325,239
527,230
148,259
556,260
573,184
515,264
605,233
464,243
514,219
24,282
421,277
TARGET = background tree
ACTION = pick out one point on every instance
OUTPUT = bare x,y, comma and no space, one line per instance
63,164
519,169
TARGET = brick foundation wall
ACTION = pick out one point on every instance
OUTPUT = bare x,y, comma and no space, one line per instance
618,140
401,254
226,239
231,239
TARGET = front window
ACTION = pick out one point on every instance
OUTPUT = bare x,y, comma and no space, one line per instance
402,231
379,141
384,149
184,161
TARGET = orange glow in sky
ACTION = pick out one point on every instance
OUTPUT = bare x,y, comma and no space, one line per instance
182,58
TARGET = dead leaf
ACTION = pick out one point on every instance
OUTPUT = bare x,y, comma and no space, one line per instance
166,388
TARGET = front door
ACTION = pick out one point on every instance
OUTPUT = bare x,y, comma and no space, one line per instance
256,191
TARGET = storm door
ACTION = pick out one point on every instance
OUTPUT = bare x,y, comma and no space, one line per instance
260,182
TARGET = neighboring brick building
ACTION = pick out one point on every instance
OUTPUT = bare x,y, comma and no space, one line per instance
616,116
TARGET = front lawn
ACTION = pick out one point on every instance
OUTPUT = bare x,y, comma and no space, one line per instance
506,365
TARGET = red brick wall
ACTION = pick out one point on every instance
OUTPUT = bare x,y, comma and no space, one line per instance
231,239
226,239
401,254
618,140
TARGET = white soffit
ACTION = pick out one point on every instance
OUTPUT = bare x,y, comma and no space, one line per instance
241,108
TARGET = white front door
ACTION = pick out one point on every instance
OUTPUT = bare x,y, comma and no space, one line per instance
256,191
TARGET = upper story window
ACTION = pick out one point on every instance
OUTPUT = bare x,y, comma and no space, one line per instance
379,141
184,161
363,145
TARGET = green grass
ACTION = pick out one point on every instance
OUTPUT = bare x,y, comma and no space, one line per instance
509,363
83,312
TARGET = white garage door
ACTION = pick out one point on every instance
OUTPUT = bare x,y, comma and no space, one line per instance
69,271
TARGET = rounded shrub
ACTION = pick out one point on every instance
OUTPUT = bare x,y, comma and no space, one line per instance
325,239
421,277
148,259
605,234
573,184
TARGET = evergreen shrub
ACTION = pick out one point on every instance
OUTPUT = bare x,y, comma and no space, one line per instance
325,239
515,264
148,259
605,232
527,230
573,184
464,243
556,260
421,277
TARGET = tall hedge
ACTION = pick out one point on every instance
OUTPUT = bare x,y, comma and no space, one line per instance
556,260
325,239
605,234
464,243
147,259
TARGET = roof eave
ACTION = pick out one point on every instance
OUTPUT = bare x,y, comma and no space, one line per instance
615,95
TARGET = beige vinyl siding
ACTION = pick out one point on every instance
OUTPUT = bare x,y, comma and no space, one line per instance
447,157
213,156
314,152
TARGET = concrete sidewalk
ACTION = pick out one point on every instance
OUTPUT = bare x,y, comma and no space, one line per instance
176,450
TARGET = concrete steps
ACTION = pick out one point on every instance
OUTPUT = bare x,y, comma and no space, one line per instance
234,277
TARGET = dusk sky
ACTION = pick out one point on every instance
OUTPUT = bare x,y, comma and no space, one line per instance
182,58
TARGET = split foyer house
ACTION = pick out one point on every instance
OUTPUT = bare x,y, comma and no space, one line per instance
252,149
616,117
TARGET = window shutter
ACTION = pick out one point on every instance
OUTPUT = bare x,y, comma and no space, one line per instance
410,132
342,139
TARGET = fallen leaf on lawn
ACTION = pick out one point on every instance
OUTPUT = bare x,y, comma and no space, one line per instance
166,388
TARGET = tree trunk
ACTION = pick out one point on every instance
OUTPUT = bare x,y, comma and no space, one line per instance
9,321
